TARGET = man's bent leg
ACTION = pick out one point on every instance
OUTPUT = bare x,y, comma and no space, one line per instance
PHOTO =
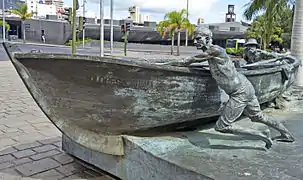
232,111
248,132
254,112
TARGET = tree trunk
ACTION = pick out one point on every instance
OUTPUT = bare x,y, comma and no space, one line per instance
172,44
23,31
297,39
186,37
264,44
178,47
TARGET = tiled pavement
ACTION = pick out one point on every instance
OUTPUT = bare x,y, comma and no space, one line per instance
30,146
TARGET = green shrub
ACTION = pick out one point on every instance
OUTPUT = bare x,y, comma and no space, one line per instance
268,50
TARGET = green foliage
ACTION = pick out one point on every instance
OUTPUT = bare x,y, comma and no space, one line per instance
22,12
175,21
268,7
276,22
7,26
267,28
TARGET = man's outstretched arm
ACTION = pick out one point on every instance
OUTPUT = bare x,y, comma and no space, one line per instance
185,62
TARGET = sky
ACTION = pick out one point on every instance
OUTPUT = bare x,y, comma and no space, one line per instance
213,11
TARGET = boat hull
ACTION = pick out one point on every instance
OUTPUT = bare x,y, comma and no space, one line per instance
87,96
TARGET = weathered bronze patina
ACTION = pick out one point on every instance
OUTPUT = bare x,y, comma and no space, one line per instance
242,98
95,101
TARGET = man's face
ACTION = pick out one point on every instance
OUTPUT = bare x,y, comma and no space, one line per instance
251,46
202,41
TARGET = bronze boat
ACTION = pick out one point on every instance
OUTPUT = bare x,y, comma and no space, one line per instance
95,100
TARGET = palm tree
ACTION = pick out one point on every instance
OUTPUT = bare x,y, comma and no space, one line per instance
23,14
7,26
161,28
273,7
297,38
175,22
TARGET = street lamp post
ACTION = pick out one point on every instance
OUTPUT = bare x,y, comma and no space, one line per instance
74,27
83,30
3,20
186,36
101,28
111,26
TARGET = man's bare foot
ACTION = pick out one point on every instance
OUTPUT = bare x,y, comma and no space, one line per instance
268,144
267,139
284,138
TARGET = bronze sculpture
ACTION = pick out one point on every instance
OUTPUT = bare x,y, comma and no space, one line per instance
240,90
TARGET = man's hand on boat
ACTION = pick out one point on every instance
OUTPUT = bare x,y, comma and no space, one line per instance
206,54
186,61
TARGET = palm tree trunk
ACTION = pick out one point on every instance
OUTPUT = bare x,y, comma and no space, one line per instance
178,47
172,44
297,39
23,31
264,44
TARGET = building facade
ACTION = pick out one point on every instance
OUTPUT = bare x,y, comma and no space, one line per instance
200,21
136,16
230,16
58,3
11,4
39,9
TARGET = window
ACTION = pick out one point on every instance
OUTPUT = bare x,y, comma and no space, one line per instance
232,29
214,28
231,44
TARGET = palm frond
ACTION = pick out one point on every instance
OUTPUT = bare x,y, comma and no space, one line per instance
253,8
174,21
21,11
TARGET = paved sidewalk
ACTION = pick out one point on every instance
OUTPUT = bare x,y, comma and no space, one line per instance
30,145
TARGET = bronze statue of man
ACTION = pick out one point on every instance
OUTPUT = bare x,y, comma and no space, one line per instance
240,90
252,54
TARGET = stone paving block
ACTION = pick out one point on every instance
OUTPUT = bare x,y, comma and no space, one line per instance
51,140
45,154
50,174
44,148
50,132
63,158
22,161
58,144
29,137
92,173
78,176
70,169
27,128
16,124
35,167
27,145
35,120
45,124
7,142
24,153
13,135
10,171
6,165
2,126
6,158
10,130
8,150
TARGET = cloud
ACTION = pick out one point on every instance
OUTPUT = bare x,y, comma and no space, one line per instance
211,10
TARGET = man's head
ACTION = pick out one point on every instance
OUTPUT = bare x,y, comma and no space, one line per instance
202,38
251,44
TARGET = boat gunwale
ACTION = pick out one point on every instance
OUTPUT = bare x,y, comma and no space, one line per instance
120,61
